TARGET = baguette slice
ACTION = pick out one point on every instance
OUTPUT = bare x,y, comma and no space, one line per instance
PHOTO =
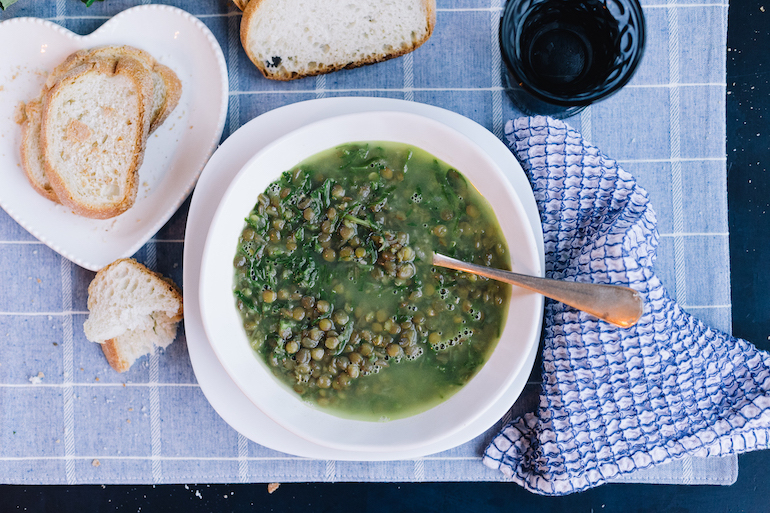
131,311
167,88
166,94
289,39
31,155
93,133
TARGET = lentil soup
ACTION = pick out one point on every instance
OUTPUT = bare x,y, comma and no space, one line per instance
335,287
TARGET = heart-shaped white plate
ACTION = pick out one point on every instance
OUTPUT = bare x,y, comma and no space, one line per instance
175,155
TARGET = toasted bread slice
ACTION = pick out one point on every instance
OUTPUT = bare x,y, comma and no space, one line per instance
31,156
167,88
131,311
289,39
166,94
94,128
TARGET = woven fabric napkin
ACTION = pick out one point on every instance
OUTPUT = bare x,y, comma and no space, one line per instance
614,400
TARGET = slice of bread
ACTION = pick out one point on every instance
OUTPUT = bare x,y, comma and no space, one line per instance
166,94
131,311
32,161
94,128
289,39
167,88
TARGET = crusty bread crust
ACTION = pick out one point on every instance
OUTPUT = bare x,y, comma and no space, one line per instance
172,287
241,4
31,156
172,96
117,356
114,357
168,79
142,80
72,60
111,52
252,10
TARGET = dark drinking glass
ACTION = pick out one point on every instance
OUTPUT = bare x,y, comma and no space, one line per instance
561,55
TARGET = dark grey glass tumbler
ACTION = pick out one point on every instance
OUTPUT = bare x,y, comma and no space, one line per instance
562,55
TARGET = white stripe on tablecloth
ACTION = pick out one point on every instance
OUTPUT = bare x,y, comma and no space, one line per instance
65,271
63,313
39,243
235,92
330,464
695,234
331,471
155,434
586,124
497,63
687,470
320,86
243,462
237,13
680,159
676,164
99,385
233,71
408,63
61,9
419,470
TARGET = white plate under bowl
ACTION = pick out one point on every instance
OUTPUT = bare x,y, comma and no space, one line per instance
221,391
223,325
175,155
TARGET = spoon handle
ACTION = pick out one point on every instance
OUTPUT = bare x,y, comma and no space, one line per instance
618,305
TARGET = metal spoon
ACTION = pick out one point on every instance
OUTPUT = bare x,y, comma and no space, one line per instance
618,305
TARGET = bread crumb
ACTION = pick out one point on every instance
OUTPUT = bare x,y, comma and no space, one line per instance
20,114
96,463
272,487
36,380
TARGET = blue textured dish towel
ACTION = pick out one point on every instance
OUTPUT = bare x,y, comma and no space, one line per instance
617,400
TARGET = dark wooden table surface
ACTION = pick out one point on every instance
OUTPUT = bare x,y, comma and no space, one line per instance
748,146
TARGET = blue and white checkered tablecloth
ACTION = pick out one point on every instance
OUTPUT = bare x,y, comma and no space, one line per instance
666,128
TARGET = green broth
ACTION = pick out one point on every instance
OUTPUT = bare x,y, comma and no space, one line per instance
334,282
